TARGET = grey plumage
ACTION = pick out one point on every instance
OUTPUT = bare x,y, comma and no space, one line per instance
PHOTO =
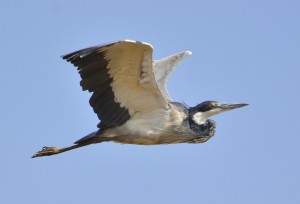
130,98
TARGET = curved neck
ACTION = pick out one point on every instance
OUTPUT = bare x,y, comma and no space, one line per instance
203,132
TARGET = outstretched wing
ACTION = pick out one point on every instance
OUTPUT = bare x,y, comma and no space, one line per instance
164,67
121,77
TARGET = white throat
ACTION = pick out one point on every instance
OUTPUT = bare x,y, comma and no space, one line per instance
200,117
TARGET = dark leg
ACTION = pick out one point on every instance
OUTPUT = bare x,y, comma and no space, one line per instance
48,151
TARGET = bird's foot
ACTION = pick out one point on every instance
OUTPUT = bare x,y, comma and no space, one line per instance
47,151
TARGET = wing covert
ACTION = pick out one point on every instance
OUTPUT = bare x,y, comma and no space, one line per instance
121,77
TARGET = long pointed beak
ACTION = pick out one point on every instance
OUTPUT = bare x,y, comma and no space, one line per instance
231,106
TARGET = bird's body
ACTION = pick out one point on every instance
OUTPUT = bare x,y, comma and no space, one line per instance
161,126
131,99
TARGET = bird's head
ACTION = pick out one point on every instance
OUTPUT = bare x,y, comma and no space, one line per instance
200,113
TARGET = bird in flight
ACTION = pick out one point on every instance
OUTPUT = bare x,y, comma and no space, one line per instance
130,98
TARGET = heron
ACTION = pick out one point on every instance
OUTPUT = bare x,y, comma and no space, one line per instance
130,98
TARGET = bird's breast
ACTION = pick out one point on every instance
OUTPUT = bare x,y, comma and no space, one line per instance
150,128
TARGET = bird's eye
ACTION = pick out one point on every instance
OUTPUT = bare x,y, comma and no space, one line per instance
211,106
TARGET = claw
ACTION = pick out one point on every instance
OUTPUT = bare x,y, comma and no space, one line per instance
46,151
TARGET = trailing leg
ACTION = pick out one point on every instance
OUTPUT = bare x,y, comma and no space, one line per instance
48,151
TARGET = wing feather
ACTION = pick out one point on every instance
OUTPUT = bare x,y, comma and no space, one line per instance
122,80
164,67
134,85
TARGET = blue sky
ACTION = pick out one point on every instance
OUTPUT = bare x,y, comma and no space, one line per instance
243,51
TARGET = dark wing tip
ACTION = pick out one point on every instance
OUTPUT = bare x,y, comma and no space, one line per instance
92,67
84,52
